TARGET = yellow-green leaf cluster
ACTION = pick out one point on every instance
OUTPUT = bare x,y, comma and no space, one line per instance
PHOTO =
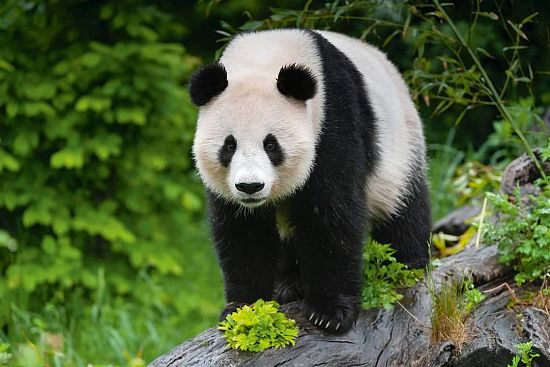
258,327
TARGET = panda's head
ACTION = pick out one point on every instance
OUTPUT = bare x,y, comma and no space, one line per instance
255,141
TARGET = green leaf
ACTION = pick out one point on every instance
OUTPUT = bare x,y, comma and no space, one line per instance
39,91
90,59
7,241
8,162
6,66
92,103
67,158
33,109
25,142
131,115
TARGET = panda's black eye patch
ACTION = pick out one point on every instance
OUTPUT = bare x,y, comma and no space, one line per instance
273,150
227,150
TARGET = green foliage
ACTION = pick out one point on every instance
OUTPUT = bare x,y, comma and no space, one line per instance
96,177
258,327
383,276
5,355
522,232
503,145
525,355
472,296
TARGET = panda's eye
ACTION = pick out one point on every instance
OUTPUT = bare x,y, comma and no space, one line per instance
231,147
227,150
230,144
273,150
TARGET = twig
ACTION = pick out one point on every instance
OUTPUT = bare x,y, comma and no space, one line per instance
480,228
414,317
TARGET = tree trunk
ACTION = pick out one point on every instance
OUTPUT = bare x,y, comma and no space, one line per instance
400,336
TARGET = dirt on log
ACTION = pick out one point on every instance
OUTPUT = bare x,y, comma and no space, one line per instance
400,336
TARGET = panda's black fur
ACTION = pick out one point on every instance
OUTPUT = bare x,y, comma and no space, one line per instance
322,262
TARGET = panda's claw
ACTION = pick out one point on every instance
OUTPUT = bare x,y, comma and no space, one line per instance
334,316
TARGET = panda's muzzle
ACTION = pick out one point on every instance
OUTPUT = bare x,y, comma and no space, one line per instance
251,201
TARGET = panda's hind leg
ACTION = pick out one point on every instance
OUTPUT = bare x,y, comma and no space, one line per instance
408,231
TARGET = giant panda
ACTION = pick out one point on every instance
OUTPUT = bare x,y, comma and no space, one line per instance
305,140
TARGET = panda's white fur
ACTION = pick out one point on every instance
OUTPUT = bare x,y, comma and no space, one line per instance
252,107
399,130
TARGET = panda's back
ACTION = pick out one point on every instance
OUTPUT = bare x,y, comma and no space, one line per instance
399,128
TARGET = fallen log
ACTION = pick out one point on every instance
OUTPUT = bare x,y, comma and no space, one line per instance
399,336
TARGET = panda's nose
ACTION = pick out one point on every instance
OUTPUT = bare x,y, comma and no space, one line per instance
249,187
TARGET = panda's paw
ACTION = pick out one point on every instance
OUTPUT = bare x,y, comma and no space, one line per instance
229,309
288,291
335,314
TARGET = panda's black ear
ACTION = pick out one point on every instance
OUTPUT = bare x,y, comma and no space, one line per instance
297,81
207,83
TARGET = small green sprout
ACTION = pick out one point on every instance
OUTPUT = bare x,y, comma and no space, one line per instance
524,355
472,295
258,327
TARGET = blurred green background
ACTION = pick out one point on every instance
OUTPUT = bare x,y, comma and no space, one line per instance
105,257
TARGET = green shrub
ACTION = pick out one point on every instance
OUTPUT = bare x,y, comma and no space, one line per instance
383,276
96,174
258,327
522,230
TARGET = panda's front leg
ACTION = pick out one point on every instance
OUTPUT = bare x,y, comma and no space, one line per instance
329,235
247,246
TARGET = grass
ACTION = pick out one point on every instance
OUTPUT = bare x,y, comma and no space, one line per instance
451,307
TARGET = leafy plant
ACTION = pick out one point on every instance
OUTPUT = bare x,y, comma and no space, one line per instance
96,177
503,145
258,327
5,355
522,232
451,306
384,276
472,296
524,355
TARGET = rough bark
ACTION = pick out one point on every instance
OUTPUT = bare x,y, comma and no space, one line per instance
522,172
400,336
456,222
